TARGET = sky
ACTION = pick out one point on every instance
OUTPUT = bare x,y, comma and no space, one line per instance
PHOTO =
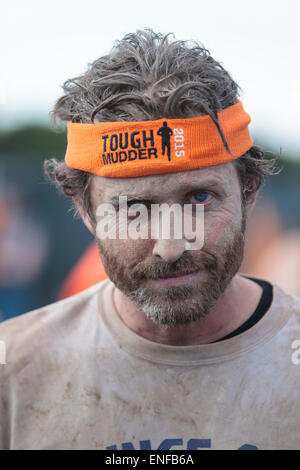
42,44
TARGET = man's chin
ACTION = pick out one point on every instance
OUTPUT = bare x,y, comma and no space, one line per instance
174,306
164,295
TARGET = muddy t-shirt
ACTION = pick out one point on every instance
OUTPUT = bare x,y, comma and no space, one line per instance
76,377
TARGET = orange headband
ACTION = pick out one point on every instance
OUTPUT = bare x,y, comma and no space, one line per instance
128,149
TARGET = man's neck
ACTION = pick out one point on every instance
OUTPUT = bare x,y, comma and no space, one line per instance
231,310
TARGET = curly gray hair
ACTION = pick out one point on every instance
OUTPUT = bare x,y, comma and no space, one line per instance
147,76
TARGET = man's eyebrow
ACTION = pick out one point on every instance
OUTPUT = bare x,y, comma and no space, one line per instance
211,184
130,197
180,189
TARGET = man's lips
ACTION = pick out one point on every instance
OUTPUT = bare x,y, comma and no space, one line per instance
171,275
173,279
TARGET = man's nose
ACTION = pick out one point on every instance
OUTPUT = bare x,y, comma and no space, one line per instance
169,250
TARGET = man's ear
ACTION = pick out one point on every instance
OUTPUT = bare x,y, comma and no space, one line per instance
84,216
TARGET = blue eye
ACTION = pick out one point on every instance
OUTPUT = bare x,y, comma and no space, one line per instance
202,196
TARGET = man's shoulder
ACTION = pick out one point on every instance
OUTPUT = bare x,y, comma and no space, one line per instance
50,324
286,300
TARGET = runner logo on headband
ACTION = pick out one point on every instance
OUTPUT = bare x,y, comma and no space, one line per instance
165,132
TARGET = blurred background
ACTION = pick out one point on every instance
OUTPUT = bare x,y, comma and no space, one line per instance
46,254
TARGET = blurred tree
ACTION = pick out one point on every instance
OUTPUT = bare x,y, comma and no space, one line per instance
35,142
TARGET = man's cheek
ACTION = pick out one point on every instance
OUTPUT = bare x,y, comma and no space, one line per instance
219,231
131,251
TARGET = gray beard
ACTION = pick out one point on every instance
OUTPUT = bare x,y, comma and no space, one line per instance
175,312
181,305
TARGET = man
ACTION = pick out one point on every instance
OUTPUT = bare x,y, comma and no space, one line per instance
165,132
177,349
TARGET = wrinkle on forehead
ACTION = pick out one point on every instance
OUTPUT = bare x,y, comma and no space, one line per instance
104,188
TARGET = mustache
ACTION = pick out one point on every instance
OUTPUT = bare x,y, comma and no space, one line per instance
182,266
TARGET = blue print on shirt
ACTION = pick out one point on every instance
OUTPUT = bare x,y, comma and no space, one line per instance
167,444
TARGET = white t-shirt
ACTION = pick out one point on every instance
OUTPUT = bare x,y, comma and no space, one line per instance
76,377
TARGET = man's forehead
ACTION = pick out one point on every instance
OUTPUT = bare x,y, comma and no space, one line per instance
111,187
